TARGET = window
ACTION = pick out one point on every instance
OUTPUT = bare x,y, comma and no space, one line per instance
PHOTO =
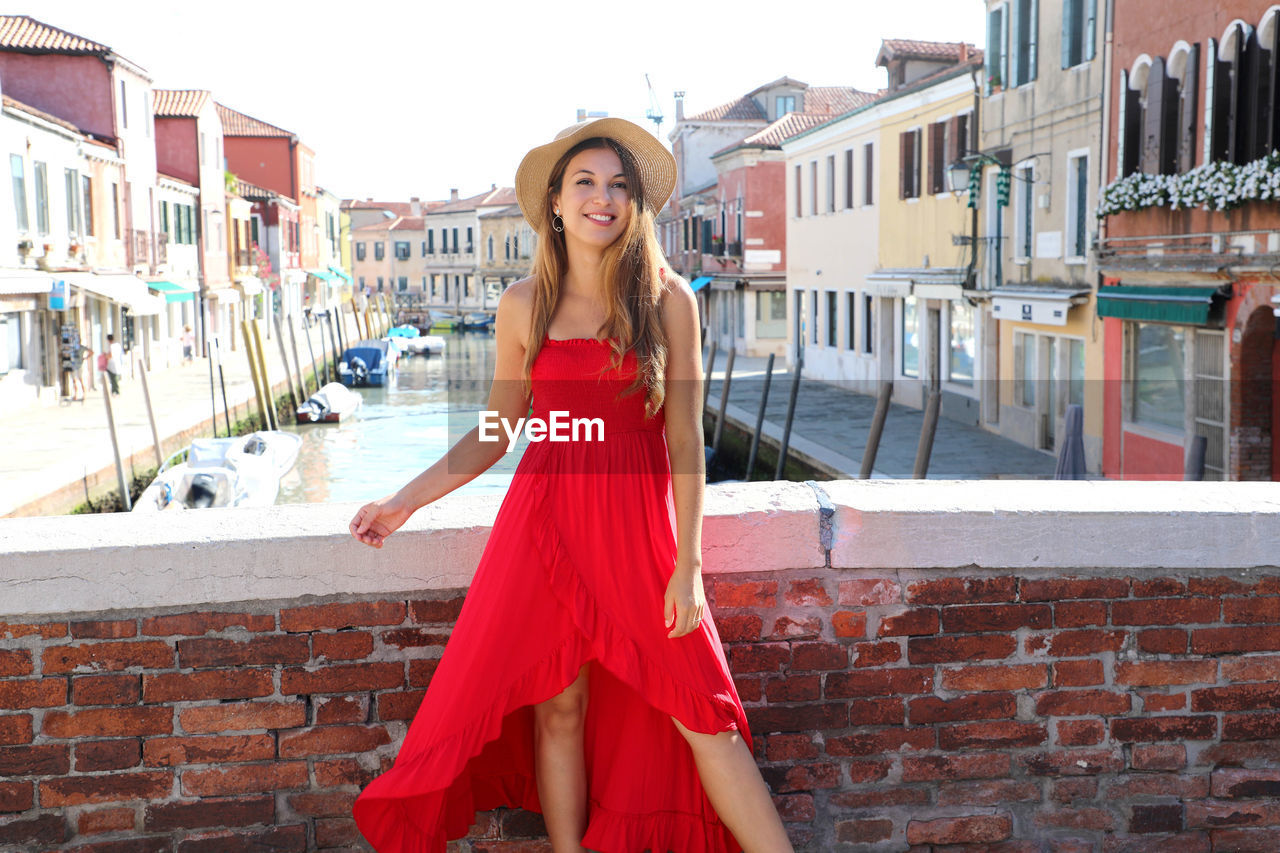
848,178
73,201
868,164
124,106
851,327
19,191
360,251
200,149
424,284
379,284
996,57
444,241
1024,27
1024,370
164,218
937,157
431,242
1079,23
1024,199
455,241
379,250
831,183
1158,386
799,187
424,248
10,342
40,177
813,187
1240,113
833,318
813,316
115,209
402,250
910,338
963,346
783,104
470,243
362,282
771,314
868,323
403,283
1075,372
146,123
87,193
490,248
909,164
1077,207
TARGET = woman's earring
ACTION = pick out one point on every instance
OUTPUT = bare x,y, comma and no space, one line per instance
554,226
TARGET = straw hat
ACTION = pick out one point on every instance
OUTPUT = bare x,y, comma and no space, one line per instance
654,162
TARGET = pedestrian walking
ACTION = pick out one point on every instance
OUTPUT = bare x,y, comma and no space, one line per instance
114,361
81,354
188,345
584,678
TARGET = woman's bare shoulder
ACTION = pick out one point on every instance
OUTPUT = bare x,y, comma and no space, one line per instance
515,308
676,296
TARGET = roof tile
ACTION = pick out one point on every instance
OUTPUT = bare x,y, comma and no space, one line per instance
22,32
170,103
238,124
932,50
741,109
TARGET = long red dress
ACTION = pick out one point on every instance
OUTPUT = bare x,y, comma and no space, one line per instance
575,570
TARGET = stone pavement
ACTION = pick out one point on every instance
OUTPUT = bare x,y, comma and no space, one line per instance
52,453
831,426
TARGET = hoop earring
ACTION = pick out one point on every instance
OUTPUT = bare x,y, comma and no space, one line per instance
555,227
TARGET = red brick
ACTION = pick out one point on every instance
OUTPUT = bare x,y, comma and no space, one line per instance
330,710
962,591
276,839
793,688
761,657
880,798
1000,677
863,830
1069,790
47,630
212,684
1003,733
1081,703
887,711
998,617
198,624
1080,732
1164,728
1157,587
880,742
335,831
1164,672
180,751
1079,644
46,829
1251,668
876,654
204,653
802,777
343,645
327,804
827,715
979,829
1155,702
1158,785
869,592
956,649
1232,783
1078,673
1079,614
1059,589
811,592
404,705
805,628
92,756
337,772
910,623
1078,818
105,788
739,627
108,722
352,615
243,716
1217,641
1072,762
848,623
975,765
1218,586
880,682
1159,756
807,657
106,689
16,796
1165,611
343,678
414,638
1163,641
16,729
15,663
725,593
327,740
1251,610
42,760
103,630
797,747
210,812
1243,840
421,670
102,821
981,706
1237,697
987,793
795,807
33,693
244,779
1250,726
111,657
443,610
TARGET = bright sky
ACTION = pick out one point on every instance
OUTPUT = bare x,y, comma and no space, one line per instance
403,99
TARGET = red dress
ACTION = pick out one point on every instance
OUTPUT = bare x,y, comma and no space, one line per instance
575,570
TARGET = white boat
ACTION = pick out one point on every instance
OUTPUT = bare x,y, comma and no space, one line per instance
223,472
329,405
426,345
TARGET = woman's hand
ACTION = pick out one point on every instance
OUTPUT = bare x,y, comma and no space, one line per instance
379,519
684,602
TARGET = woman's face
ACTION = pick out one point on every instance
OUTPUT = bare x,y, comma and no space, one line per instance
594,200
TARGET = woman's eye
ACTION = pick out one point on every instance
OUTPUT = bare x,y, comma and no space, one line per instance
584,181
620,185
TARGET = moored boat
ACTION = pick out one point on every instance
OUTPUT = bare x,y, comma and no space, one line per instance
367,363
223,472
330,405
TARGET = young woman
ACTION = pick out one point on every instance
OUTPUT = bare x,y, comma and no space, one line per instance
584,678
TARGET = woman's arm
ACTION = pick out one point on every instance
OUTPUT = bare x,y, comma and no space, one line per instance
469,457
685,598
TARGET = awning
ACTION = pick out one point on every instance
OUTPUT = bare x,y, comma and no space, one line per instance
323,275
249,285
172,291
700,282
1043,305
1184,305
127,290
341,273
295,276
15,282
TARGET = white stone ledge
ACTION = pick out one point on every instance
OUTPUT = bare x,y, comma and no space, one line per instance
97,563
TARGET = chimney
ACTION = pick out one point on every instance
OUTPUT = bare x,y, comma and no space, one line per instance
453,194
370,198
964,52
679,105
415,206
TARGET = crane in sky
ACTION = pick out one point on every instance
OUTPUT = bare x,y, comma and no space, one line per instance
654,113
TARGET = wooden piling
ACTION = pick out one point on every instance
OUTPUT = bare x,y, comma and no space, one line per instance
877,428
706,374
247,335
264,377
284,360
151,414
115,448
755,436
791,415
724,401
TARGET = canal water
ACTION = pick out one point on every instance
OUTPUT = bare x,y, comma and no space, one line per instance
400,430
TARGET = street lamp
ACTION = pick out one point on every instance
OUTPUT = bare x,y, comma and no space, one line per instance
966,174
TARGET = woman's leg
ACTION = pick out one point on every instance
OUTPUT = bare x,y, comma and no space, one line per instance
561,764
733,783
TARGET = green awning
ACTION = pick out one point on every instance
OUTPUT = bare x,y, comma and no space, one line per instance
173,292
323,275
699,283
338,271
1184,305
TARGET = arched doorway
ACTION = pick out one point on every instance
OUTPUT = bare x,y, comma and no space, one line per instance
1253,400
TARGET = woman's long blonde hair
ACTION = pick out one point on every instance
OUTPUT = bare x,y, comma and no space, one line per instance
632,282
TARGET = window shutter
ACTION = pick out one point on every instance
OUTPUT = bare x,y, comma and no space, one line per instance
1273,86
1033,37
1131,112
1091,29
1209,150
1016,47
992,57
1187,111
1229,97
937,132
1070,30
1153,121
1004,45
904,165
1263,70
955,145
